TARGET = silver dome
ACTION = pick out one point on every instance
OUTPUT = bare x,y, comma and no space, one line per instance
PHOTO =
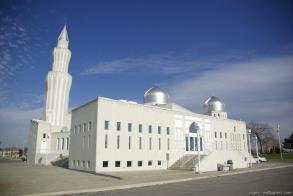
156,95
213,104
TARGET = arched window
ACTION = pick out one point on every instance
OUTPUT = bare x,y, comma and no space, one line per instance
193,128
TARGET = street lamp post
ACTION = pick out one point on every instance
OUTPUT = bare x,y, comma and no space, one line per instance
256,148
198,150
280,146
249,133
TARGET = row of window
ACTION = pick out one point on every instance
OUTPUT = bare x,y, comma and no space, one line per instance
140,127
83,127
130,163
140,146
233,146
233,136
88,141
81,164
61,142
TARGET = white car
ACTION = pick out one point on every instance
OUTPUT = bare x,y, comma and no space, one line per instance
260,159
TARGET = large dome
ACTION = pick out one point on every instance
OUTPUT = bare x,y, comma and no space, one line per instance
155,95
213,104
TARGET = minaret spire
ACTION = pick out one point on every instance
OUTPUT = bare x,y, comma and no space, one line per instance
63,35
63,38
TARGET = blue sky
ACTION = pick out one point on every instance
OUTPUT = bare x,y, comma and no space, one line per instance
240,51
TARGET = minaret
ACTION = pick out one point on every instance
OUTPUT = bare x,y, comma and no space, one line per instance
58,83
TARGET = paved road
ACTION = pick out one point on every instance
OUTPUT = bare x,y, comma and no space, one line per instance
271,182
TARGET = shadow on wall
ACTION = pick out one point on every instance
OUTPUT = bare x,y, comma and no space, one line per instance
64,164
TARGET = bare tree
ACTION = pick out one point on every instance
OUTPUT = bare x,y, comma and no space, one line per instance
263,132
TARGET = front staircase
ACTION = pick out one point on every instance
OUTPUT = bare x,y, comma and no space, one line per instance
186,162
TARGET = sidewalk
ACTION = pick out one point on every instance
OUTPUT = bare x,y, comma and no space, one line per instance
18,178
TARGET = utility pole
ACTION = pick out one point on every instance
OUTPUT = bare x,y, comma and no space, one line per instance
280,146
256,148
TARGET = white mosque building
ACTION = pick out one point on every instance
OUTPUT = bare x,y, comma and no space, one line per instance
120,135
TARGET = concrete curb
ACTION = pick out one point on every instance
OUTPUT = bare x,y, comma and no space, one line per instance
155,183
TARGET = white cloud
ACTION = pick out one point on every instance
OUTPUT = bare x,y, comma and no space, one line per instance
15,125
255,90
158,64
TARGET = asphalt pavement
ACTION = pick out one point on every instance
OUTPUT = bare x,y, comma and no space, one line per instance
269,182
19,178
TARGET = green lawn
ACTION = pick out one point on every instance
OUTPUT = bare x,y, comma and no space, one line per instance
276,156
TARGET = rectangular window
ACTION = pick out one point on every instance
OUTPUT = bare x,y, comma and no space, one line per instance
140,145
63,143
105,163
106,126
58,143
186,144
67,143
220,134
225,135
75,129
168,144
90,126
168,130
129,163
140,128
159,143
159,129
215,134
200,144
191,143
88,164
83,163
44,135
83,142
139,163
84,127
129,127
118,141
150,143
77,164
106,141
243,136
117,163
150,128
150,163
159,163
89,141
118,126
129,142
79,129
234,129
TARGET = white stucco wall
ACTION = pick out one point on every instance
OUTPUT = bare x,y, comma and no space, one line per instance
103,109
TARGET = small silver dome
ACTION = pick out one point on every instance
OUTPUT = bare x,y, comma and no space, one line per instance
213,104
155,95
